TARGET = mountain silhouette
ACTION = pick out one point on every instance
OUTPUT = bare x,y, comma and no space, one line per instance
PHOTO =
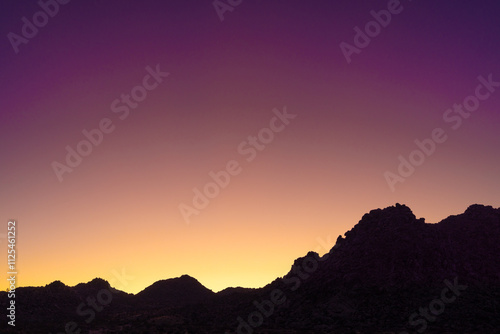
383,276
174,292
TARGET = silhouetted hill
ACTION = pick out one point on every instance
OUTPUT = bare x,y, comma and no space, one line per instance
384,275
174,292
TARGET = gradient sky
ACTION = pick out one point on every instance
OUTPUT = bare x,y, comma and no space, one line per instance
119,209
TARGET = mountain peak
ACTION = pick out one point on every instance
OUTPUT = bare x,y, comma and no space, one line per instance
56,285
187,278
184,280
176,291
97,284
398,214
479,209
393,219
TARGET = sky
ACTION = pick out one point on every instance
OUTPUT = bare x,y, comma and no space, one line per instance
223,140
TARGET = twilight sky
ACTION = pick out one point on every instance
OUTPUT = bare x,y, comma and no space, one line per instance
313,141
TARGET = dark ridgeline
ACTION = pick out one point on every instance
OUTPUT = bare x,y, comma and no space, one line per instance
385,276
